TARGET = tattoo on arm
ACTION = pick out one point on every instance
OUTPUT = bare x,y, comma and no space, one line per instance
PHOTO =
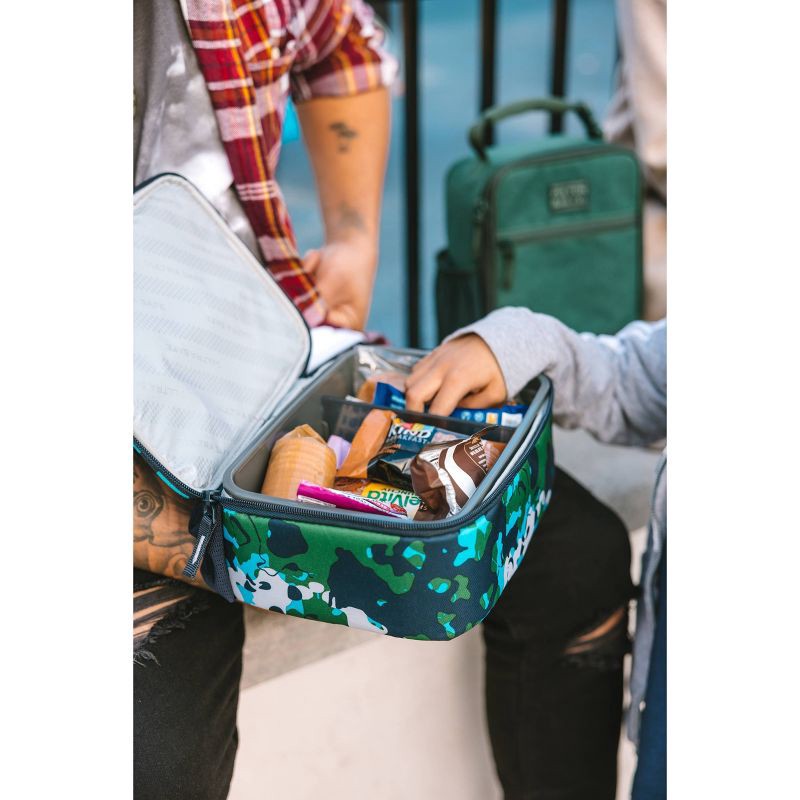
344,136
349,219
161,539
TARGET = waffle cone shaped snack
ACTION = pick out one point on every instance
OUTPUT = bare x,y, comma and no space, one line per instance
300,455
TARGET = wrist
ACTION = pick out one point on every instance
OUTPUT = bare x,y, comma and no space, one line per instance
363,244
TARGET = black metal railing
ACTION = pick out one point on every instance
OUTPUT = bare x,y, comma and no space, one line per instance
489,10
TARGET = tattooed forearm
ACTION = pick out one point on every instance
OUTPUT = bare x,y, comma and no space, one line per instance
161,539
349,220
344,136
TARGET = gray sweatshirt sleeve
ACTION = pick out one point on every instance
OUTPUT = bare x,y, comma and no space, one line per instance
615,387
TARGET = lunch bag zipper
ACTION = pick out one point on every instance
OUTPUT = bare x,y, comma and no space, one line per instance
209,525
177,486
485,212
212,499
214,503
211,517
509,241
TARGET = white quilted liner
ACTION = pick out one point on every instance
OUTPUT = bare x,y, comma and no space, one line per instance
217,344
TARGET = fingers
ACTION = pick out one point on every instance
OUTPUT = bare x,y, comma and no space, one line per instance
424,363
440,383
485,398
346,316
451,392
311,260
422,386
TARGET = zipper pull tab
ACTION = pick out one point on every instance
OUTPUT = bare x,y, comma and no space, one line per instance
507,254
208,526
477,229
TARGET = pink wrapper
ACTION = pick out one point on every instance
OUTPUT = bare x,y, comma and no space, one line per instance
319,495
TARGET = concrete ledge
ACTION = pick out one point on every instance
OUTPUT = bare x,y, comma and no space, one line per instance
276,644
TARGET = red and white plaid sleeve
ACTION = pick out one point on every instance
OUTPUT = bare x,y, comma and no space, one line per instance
341,51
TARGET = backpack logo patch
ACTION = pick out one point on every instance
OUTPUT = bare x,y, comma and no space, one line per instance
568,196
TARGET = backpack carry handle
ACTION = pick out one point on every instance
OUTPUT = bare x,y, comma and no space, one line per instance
477,133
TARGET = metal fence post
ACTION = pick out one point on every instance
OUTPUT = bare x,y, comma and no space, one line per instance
558,64
488,65
411,147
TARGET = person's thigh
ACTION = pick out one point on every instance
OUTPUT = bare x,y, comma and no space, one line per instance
185,701
554,697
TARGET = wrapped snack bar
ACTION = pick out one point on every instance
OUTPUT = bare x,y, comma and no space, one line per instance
446,475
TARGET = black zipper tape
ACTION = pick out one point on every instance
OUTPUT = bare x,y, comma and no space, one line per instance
164,474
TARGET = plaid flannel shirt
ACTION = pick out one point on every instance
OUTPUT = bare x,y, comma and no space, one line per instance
252,56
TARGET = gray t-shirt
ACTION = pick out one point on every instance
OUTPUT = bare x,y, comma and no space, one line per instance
174,127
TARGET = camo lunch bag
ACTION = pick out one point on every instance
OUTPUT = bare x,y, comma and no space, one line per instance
223,366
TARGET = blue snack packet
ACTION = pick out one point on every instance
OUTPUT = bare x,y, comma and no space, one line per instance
389,396
508,415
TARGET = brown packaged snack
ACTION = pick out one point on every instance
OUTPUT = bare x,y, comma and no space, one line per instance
367,390
300,455
354,485
367,442
446,475
493,451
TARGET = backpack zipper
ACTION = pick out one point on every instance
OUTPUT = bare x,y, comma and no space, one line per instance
508,242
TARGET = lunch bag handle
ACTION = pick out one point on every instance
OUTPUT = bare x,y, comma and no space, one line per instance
477,133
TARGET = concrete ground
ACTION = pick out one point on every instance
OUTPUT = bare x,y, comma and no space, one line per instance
330,712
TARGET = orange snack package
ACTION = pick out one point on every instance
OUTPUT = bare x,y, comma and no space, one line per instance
367,442
300,455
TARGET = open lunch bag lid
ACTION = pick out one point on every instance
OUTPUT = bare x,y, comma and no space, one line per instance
221,361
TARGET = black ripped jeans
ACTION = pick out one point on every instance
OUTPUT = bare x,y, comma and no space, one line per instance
554,717
554,699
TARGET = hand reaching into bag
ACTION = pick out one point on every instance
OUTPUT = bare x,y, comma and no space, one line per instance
461,372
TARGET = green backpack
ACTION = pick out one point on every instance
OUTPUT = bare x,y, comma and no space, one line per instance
554,225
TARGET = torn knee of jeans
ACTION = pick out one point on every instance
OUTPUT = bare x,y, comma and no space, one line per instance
174,619
603,645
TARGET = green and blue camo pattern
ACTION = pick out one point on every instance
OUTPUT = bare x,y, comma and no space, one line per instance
431,588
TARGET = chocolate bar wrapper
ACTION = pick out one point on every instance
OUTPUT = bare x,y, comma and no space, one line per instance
446,475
